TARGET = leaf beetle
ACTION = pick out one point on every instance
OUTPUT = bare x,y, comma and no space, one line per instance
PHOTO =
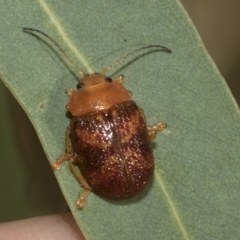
108,137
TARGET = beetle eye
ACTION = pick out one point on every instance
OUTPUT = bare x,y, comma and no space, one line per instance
108,79
79,85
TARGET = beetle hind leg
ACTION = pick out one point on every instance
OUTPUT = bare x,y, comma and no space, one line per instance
81,200
152,131
83,182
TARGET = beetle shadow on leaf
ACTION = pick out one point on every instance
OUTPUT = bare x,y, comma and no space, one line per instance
154,145
68,115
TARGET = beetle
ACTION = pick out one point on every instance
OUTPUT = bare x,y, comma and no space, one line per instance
108,137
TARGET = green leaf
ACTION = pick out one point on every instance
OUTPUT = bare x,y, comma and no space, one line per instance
195,190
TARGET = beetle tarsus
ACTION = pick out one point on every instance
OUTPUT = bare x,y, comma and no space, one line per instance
69,91
152,131
119,78
81,201
56,165
160,126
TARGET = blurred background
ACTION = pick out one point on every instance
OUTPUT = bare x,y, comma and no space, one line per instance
28,186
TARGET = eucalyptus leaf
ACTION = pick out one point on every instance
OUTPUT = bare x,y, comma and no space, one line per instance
195,190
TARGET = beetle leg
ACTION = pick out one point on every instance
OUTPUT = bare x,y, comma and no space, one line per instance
152,131
119,78
83,182
70,91
67,156
56,164
68,144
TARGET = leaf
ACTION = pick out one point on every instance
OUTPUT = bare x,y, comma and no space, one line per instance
194,193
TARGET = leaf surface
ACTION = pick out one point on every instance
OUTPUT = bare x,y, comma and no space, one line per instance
195,190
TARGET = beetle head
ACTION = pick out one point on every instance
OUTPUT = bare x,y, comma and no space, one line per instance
96,92
92,80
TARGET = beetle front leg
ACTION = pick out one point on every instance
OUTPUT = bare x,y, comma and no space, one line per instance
152,131
119,78
83,182
67,156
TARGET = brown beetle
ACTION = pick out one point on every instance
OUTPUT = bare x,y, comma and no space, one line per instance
108,138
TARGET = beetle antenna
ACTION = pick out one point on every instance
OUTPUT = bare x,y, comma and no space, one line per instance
59,48
132,53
